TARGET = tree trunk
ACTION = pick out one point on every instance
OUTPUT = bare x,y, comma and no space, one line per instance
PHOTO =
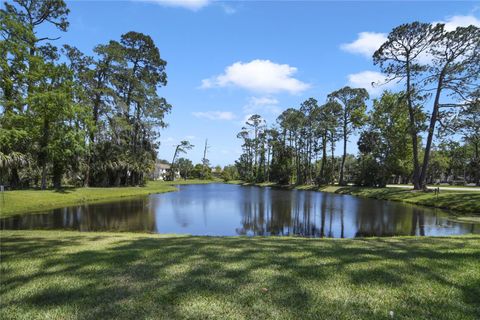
43,185
43,153
431,131
86,180
344,156
117,181
324,158
57,175
477,165
14,179
332,173
413,132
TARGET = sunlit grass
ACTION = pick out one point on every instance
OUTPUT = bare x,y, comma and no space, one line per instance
466,202
73,275
460,202
25,201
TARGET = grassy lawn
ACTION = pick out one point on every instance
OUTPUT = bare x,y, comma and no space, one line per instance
461,202
441,186
26,201
466,202
72,275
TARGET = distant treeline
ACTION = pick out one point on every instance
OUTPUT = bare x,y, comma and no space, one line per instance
428,132
66,116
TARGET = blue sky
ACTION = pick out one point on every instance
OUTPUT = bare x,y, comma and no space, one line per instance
227,60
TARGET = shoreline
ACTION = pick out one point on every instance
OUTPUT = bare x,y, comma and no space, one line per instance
18,202
458,203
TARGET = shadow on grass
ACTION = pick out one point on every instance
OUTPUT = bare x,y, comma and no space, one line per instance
65,190
199,277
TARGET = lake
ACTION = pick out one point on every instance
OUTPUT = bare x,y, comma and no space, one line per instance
228,210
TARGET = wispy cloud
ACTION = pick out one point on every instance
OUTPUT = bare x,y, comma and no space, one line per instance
228,9
368,42
372,81
451,23
215,115
262,105
262,76
365,44
193,5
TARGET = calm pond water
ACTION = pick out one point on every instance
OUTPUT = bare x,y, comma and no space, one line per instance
226,210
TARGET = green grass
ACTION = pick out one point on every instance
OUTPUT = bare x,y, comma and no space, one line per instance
459,202
465,202
73,275
26,201
441,186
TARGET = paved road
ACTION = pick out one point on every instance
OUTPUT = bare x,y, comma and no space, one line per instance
434,187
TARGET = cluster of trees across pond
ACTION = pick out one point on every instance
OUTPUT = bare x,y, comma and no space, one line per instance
90,120
438,70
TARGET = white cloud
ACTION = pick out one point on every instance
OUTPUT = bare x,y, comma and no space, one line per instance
372,81
453,22
262,105
215,115
366,44
193,5
262,101
258,76
228,9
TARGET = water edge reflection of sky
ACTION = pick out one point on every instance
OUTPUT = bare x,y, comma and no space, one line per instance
227,210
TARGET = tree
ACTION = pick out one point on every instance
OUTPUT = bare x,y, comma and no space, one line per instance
251,163
139,108
21,54
401,59
15,139
326,117
352,101
185,167
93,120
308,108
205,161
229,173
455,69
468,124
257,125
182,147
51,112
389,119
199,172
291,122
120,87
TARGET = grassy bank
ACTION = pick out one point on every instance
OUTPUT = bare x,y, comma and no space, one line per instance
67,275
22,201
460,202
465,202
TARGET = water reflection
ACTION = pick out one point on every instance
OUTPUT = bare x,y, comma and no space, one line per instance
127,215
220,209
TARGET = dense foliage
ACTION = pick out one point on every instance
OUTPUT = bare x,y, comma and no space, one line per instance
300,147
396,137
90,120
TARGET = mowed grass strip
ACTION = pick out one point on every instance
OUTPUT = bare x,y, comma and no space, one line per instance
460,202
73,275
27,201
465,202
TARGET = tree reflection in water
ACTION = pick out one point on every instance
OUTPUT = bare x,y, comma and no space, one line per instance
221,210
